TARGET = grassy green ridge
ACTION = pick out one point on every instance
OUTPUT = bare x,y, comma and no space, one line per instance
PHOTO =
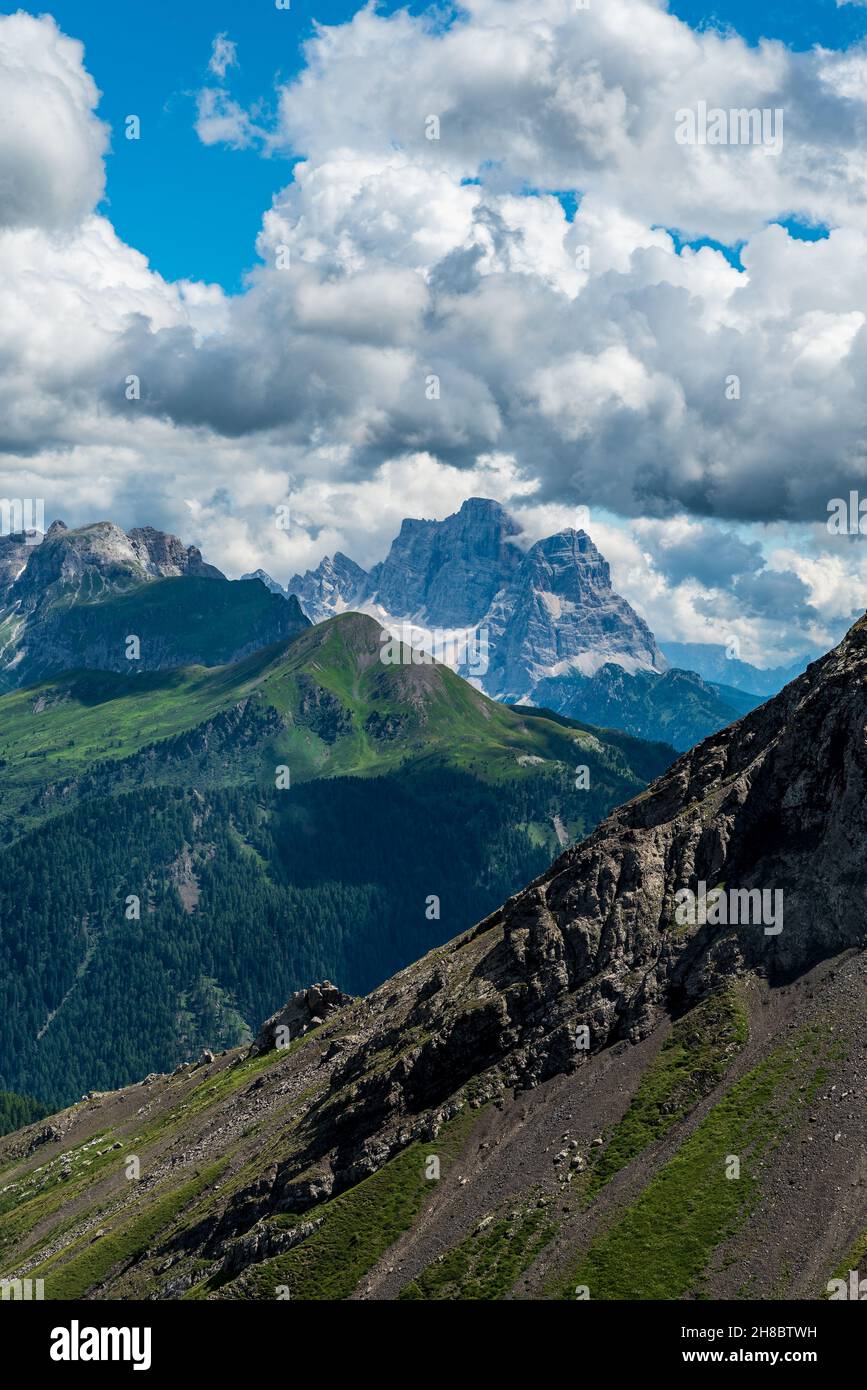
358,1226
323,704
694,1058
405,782
661,1245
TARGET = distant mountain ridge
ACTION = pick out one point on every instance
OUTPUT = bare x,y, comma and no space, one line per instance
553,630
539,625
75,599
712,662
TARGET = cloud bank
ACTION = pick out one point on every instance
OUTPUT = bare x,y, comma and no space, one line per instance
471,283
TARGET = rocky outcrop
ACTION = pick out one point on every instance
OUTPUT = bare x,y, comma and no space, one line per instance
305,1010
165,556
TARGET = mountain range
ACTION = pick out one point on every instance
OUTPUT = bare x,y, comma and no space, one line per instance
77,597
541,625
597,1091
717,663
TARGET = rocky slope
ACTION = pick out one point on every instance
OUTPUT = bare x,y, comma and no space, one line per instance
553,1101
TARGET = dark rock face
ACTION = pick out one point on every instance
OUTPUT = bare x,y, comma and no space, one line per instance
446,573
15,551
322,712
776,802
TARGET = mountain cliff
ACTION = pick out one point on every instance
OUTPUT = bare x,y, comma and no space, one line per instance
447,573
589,1091
558,615
333,587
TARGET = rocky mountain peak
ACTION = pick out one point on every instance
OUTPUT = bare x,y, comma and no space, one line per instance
335,585
100,556
69,596
446,573
559,617
165,556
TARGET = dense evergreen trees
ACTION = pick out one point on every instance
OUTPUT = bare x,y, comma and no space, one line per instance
244,896
17,1111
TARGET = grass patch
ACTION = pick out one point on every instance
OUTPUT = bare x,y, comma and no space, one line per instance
88,1268
358,1226
854,1260
660,1246
694,1058
487,1263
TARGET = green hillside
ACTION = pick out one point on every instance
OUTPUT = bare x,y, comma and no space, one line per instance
162,889
323,704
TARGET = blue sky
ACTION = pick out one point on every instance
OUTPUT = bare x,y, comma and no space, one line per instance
799,23
151,61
